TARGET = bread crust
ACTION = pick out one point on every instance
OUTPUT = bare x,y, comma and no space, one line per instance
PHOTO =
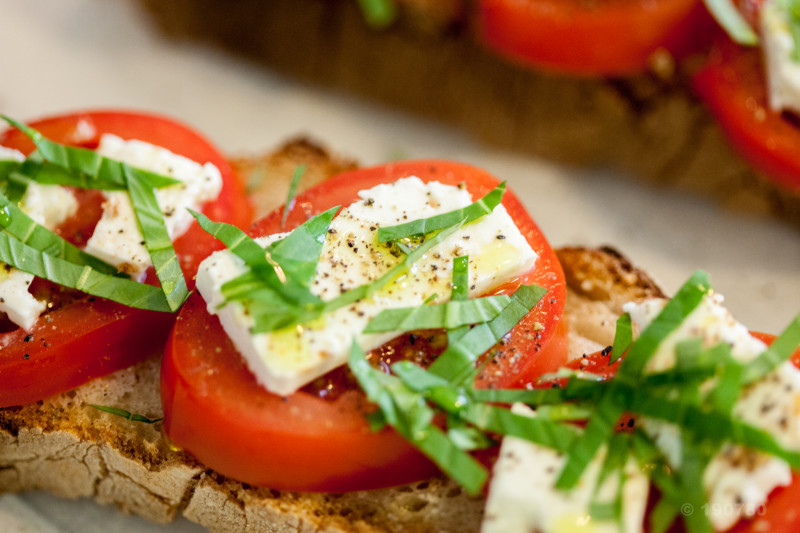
64,446
649,126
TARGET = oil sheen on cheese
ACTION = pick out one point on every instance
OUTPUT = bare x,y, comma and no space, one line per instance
285,360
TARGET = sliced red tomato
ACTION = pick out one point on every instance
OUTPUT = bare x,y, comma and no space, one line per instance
596,37
215,410
733,87
89,337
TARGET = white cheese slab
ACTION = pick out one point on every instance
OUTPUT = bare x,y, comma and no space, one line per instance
522,494
285,360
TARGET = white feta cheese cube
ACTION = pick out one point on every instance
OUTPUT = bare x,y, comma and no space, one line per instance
117,238
782,70
522,494
16,301
738,481
48,205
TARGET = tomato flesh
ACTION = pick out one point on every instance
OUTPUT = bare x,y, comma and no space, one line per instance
91,337
733,87
215,410
597,38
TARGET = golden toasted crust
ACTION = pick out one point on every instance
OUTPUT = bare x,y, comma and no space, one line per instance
64,446
429,62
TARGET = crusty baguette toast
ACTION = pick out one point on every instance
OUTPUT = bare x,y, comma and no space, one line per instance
64,446
647,126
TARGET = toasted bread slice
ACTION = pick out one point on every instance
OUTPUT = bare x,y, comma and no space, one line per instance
429,62
64,446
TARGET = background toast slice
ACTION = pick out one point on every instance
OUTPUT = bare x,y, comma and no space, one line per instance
64,446
650,126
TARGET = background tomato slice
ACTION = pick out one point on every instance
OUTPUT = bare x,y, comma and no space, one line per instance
91,337
733,87
601,38
215,410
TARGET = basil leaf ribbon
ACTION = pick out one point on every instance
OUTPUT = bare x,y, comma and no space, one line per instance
32,248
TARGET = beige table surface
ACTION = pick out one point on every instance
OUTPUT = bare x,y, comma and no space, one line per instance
61,55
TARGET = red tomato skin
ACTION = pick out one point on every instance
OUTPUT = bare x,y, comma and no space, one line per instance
612,38
287,443
733,87
87,339
93,337
352,456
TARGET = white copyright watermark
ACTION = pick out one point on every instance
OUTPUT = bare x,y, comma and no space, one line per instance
725,509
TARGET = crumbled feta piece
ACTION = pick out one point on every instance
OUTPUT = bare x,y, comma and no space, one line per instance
117,238
522,494
48,205
285,360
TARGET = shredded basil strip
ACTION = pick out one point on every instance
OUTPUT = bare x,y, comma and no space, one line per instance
459,401
400,268
690,477
23,228
279,276
776,353
379,13
423,226
296,257
407,411
7,166
45,173
650,457
617,453
729,17
289,264
289,205
81,277
84,168
792,8
446,315
456,362
460,290
126,414
57,164
157,240
574,390
703,421
601,425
